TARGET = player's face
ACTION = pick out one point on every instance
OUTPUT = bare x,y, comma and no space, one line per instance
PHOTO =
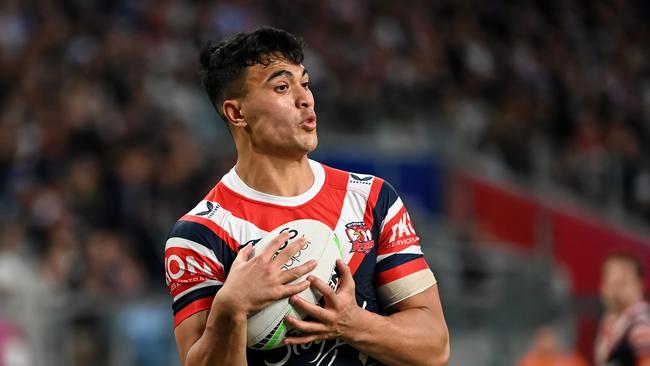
279,109
620,287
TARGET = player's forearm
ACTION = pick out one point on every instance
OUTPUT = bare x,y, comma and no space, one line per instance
223,341
409,337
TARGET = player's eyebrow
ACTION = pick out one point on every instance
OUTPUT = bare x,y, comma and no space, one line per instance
283,72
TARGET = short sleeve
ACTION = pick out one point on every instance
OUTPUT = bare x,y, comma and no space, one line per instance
401,270
196,264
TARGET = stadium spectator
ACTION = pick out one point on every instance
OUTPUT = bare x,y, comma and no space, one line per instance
14,349
546,350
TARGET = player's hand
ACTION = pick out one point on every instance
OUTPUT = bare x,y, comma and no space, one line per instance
336,319
254,283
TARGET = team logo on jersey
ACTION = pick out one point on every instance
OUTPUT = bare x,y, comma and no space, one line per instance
360,237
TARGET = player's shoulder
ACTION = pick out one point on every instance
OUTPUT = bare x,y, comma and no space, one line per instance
637,319
352,180
638,313
379,192
197,224
639,335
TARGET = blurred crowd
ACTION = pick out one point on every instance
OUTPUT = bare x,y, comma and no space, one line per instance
106,136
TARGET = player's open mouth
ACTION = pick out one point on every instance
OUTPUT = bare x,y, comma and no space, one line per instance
309,124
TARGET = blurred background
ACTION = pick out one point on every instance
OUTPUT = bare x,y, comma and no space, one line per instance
517,133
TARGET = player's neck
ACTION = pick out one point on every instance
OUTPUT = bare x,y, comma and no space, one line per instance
275,176
624,307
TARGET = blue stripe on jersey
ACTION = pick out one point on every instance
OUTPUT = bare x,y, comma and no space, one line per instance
386,198
363,279
395,260
209,291
201,234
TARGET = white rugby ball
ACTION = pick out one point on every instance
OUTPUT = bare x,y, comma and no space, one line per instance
267,329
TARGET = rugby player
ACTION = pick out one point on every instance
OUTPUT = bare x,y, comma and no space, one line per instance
624,334
386,309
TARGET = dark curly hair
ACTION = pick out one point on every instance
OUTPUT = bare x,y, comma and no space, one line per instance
224,63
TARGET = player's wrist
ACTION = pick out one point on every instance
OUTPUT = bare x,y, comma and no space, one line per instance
230,307
357,326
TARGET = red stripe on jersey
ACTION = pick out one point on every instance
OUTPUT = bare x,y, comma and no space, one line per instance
336,178
355,261
212,195
400,271
218,230
325,206
336,184
193,308
178,287
368,219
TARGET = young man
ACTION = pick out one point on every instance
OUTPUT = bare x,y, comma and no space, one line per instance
386,309
624,334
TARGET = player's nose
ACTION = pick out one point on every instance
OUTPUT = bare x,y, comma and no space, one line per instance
304,99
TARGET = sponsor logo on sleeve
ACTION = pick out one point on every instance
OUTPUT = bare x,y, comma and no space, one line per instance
403,233
185,268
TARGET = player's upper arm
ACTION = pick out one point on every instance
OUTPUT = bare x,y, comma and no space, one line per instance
189,331
195,267
429,318
401,270
428,299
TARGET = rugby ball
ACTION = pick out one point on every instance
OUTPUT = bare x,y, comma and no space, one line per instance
267,329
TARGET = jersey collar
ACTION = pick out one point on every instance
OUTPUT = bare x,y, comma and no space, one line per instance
236,184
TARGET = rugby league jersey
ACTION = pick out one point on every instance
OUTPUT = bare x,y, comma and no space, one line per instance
376,235
625,340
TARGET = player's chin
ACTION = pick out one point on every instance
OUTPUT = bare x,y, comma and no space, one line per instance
310,143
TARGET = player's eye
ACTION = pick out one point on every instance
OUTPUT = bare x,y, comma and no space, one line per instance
305,85
281,88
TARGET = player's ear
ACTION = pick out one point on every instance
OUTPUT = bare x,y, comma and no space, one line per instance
232,111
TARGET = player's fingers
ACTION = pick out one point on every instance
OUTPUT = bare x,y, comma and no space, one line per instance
346,281
323,288
315,311
274,246
291,250
244,254
292,289
305,326
302,339
297,272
